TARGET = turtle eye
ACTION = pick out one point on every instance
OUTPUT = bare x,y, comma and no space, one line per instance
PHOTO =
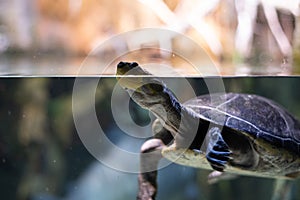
157,87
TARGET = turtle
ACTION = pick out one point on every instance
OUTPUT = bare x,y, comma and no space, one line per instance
237,133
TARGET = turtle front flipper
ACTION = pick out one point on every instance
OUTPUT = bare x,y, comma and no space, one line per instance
217,153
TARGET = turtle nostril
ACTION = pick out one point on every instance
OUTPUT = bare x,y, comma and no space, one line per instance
134,64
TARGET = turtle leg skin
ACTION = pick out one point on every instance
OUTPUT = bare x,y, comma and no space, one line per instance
218,152
149,158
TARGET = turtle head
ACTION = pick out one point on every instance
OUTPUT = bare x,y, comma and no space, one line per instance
145,89
134,78
140,82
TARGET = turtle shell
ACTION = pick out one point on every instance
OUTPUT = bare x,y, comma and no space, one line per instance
253,115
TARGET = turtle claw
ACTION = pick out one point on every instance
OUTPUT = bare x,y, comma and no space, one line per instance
218,153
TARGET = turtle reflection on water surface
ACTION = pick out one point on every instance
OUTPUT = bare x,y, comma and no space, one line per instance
238,133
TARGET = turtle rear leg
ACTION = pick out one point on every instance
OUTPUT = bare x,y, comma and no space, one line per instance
150,155
217,153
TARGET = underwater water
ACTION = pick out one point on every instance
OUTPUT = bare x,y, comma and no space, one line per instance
47,146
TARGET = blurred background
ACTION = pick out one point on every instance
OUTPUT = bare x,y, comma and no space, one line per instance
41,154
242,37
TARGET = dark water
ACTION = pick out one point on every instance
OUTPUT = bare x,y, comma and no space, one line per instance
42,155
